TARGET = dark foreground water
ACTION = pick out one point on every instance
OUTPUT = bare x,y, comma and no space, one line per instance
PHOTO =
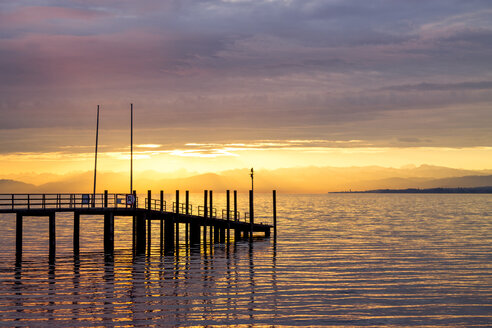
340,260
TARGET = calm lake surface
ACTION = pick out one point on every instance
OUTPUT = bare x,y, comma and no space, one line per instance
339,260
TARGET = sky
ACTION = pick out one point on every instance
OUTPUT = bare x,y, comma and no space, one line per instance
219,85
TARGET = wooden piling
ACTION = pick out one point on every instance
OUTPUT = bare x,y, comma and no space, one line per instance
161,221
251,215
18,237
211,204
211,209
52,236
237,234
149,222
187,211
222,233
109,233
134,221
169,235
274,214
76,232
228,216
177,222
140,233
216,234
195,234
205,215
235,205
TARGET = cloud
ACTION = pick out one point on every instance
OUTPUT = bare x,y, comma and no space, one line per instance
245,70
463,86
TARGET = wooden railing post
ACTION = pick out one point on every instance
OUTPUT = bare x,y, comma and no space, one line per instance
105,198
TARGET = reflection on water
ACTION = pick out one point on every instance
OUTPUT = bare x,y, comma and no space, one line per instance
340,260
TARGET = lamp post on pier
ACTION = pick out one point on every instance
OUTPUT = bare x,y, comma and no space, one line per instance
252,177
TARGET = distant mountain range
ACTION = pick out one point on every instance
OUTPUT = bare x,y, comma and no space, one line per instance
475,190
12,186
287,180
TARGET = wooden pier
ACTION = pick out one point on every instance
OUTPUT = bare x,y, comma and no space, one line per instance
195,221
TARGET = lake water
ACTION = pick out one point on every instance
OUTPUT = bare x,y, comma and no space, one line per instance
339,260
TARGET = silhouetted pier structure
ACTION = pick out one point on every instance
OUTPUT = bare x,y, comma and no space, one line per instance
196,221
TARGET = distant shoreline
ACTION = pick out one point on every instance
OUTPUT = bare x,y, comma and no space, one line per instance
473,190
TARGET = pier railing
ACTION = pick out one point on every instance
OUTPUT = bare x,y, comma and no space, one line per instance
113,200
47,201
155,204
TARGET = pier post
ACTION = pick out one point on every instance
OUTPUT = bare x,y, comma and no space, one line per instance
235,205
187,212
228,216
176,220
76,232
134,222
251,215
205,215
211,204
18,237
140,235
195,234
161,221
237,234
222,233
194,231
105,198
52,236
274,215
149,222
169,233
216,234
109,233
211,209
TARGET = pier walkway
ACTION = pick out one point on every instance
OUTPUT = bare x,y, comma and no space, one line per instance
195,221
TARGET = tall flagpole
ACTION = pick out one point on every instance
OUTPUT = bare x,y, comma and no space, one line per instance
95,163
131,149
